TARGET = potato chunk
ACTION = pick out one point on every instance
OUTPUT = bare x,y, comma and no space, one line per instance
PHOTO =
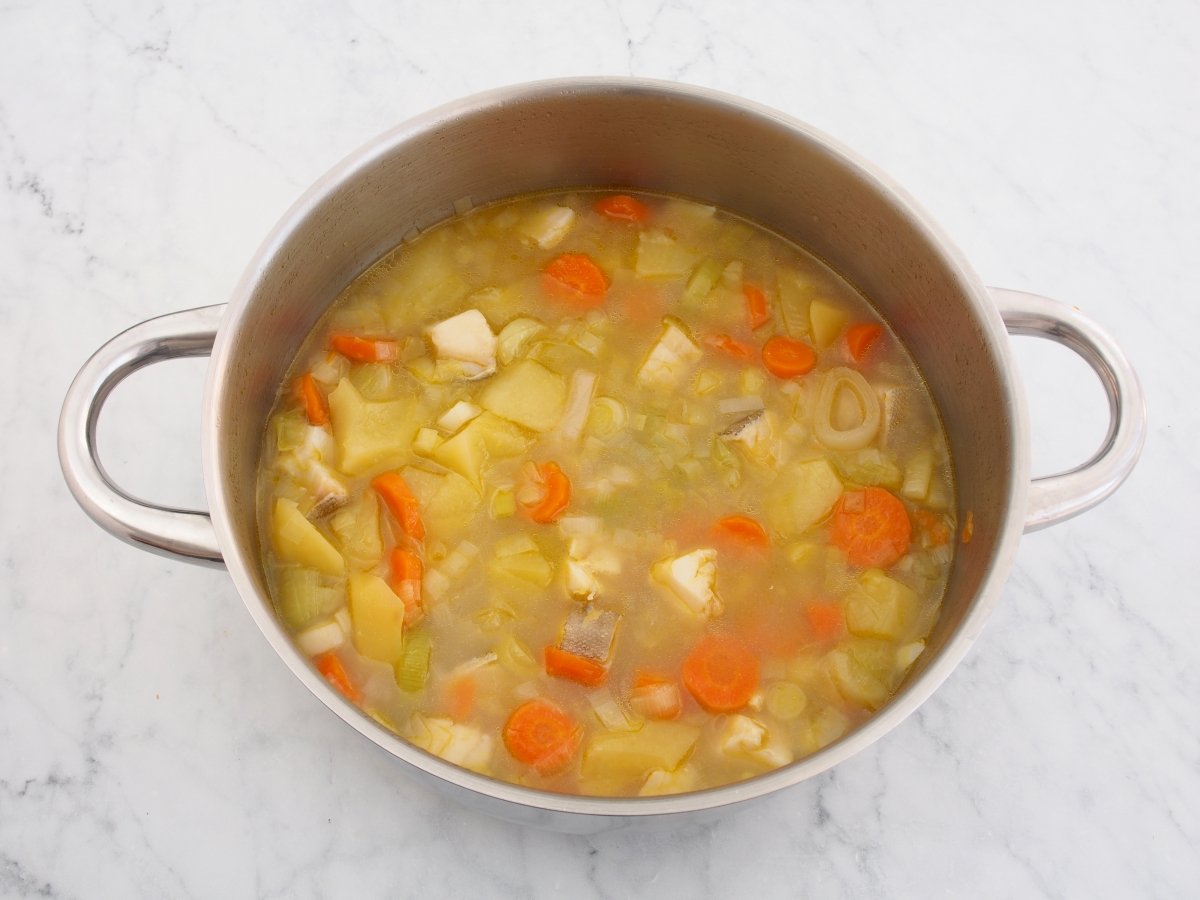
378,616
807,492
528,394
881,607
371,435
297,540
658,745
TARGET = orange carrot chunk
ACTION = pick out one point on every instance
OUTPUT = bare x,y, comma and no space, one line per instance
401,503
730,346
461,697
786,357
721,672
743,531
825,620
756,306
335,673
541,735
623,207
575,277
871,527
407,570
315,407
556,494
562,664
365,350
860,337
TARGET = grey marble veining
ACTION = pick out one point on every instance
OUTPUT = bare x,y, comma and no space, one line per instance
150,743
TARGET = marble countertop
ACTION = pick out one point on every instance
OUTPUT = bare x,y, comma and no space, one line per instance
152,745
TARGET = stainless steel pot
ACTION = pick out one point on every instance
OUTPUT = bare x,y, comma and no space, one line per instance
641,134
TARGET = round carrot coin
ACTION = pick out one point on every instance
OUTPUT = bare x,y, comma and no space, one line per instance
721,672
871,527
541,735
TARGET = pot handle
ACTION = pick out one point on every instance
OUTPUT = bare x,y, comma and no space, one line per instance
1054,498
177,533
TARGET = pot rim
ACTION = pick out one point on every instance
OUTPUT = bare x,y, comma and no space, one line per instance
240,561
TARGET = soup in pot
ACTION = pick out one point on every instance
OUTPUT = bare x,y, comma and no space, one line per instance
607,494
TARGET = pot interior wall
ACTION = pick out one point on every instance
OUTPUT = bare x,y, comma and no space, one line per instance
745,160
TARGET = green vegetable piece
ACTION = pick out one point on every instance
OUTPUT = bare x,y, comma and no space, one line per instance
413,668
302,597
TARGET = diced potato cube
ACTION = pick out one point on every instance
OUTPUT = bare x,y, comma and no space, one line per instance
658,745
881,607
530,567
357,529
827,321
371,435
298,541
806,495
528,394
546,227
661,256
452,507
484,437
378,617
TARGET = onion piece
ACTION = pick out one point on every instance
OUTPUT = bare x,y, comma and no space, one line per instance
855,438
732,405
579,402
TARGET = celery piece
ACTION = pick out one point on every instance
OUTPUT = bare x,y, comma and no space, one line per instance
290,430
302,597
412,669
785,700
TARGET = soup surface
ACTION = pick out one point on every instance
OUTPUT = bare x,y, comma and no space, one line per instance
607,494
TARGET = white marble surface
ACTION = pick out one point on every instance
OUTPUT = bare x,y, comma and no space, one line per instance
151,745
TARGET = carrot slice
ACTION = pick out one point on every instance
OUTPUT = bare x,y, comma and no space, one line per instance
462,697
730,346
366,350
786,357
743,531
562,664
575,277
556,494
315,407
541,735
825,620
407,570
335,673
623,207
871,527
860,337
721,672
756,306
401,502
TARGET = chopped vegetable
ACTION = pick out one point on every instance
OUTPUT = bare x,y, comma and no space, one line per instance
297,540
541,735
455,742
881,607
552,496
401,503
365,350
371,434
860,337
670,358
847,416
303,598
562,664
315,407
528,394
515,337
747,737
826,320
655,697
356,527
623,208
577,278
785,700
825,620
412,669
758,313
659,255
786,357
808,491
321,638
407,573
721,672
742,531
579,403
871,527
731,347
378,617
546,227
335,673
461,697
628,754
